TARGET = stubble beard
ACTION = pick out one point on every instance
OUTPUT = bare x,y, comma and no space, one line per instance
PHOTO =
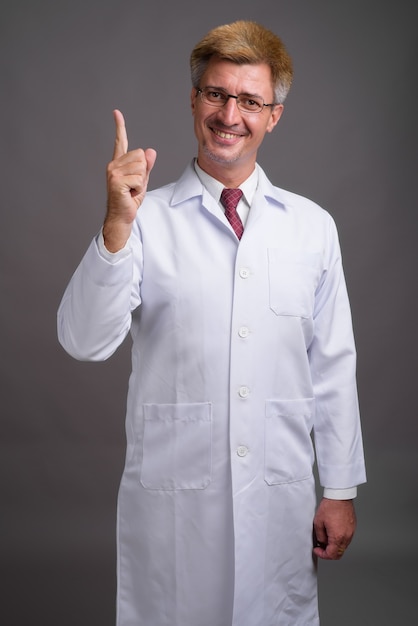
219,158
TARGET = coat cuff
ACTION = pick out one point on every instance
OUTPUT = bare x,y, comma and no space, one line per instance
111,257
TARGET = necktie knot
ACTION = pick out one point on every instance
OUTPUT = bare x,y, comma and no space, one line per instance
230,199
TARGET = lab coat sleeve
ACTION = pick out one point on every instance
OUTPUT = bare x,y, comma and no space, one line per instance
337,430
94,316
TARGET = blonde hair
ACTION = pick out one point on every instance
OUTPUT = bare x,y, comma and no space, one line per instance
244,42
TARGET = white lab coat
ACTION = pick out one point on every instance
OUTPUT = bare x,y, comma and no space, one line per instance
239,350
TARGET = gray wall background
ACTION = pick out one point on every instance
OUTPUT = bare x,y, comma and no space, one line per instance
348,140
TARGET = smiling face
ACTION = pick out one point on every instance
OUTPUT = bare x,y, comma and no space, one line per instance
228,139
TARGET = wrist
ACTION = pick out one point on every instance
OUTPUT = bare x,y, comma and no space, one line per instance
115,234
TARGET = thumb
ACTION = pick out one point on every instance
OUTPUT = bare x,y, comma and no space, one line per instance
320,534
150,156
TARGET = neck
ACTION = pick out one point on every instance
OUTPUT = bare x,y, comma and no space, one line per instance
226,173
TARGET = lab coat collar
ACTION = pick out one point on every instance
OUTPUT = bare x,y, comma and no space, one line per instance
189,186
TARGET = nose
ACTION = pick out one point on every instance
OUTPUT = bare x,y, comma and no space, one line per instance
230,112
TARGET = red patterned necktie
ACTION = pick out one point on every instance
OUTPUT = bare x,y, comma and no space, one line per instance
230,199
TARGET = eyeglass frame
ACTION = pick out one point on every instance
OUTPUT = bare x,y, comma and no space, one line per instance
200,91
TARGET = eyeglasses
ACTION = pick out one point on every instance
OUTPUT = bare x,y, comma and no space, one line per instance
245,102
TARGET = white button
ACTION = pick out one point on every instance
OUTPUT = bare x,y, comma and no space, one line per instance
242,450
244,272
244,392
243,331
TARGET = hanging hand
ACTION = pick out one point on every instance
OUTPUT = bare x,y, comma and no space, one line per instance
334,527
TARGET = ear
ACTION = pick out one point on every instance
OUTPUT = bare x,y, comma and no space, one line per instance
274,117
193,99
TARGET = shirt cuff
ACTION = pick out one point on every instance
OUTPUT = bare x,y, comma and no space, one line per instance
111,257
340,494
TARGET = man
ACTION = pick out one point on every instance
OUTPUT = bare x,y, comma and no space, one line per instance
242,344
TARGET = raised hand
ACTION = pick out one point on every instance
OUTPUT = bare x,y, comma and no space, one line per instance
127,181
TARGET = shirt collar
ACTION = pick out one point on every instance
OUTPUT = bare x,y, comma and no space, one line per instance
215,187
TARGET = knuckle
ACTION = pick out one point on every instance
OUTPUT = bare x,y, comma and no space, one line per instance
111,176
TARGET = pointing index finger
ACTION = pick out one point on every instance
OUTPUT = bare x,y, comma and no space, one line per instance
121,139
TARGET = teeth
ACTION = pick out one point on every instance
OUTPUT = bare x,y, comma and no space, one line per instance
224,135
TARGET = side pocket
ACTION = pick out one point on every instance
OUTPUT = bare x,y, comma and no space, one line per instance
177,446
289,452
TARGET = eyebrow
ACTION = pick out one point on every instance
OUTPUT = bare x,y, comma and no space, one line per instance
243,93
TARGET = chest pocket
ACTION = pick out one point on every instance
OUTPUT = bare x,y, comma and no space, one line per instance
293,279
177,451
